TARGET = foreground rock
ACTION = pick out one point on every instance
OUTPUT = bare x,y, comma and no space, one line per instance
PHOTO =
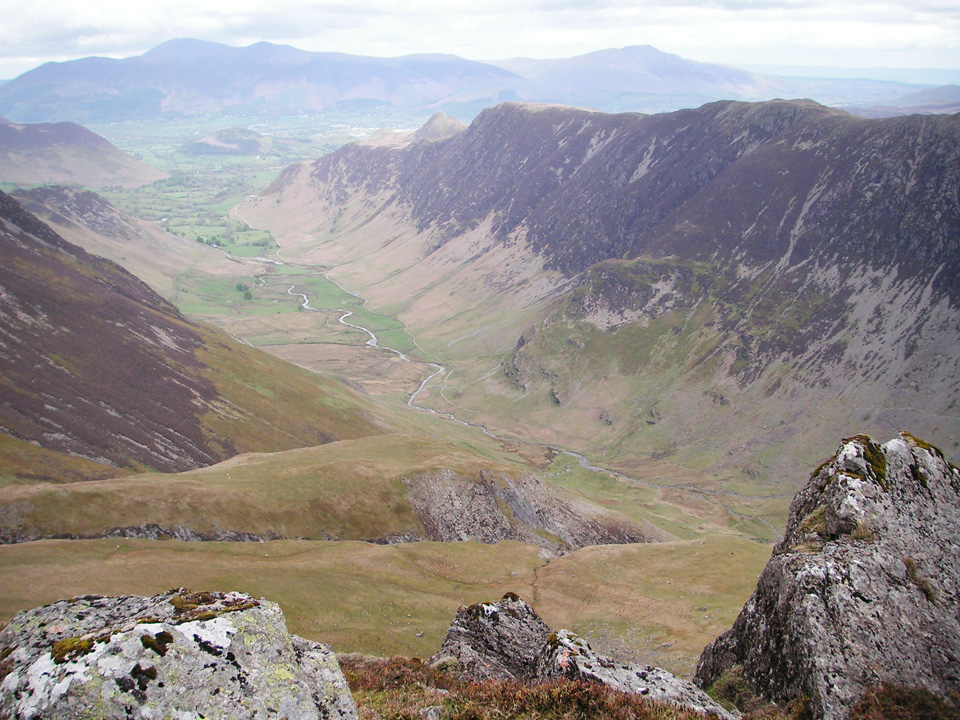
494,641
862,590
179,654
567,655
507,640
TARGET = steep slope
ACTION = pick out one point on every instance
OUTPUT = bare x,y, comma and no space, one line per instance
661,286
65,152
95,364
88,220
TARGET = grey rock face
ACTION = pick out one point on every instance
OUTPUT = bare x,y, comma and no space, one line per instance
566,655
863,589
495,641
492,508
507,640
174,655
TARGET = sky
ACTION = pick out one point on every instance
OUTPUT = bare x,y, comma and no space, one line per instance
745,33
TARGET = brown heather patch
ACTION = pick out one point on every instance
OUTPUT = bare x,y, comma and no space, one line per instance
889,702
400,688
732,691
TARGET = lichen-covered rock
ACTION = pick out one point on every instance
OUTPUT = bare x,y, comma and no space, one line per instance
494,641
175,655
862,590
566,655
507,640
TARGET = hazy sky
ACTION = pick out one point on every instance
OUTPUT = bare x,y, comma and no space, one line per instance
851,33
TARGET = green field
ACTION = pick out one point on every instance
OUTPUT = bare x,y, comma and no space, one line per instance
196,199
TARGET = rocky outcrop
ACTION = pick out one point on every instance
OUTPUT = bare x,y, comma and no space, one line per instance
490,508
494,641
179,654
148,531
862,590
507,640
566,655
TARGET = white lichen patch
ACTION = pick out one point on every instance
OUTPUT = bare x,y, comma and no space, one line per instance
218,632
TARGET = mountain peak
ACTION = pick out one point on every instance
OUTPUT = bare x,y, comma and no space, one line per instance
177,46
439,126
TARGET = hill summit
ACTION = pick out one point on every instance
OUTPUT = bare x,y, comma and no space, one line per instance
65,152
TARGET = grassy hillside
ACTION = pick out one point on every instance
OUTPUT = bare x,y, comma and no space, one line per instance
663,602
145,249
350,490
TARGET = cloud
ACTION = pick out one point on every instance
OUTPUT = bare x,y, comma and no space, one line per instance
784,31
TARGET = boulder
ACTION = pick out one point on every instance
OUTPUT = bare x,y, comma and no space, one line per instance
507,640
862,590
179,654
494,641
566,655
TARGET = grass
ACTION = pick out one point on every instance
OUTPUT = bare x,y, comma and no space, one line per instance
359,597
631,600
350,489
375,599
24,463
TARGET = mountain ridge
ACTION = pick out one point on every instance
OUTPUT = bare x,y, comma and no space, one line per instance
186,77
790,259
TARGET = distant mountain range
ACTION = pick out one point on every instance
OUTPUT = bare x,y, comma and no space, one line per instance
941,100
190,77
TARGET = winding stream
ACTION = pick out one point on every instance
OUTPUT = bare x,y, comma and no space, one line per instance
373,342
438,369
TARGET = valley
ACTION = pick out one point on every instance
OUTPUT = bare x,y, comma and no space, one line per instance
584,358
